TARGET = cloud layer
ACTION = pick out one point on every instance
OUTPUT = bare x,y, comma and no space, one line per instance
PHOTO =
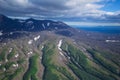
63,9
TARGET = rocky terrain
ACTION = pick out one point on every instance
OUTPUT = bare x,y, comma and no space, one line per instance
51,50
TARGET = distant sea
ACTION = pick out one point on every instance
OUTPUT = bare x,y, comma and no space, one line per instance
102,29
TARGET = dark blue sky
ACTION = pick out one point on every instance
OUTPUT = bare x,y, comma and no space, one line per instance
84,11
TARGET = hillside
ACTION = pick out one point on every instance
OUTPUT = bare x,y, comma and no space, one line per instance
51,50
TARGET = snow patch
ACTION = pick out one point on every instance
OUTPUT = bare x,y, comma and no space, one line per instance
10,50
36,38
32,27
11,33
6,60
43,26
48,24
4,69
40,57
59,48
16,55
4,44
42,47
113,41
30,22
1,33
61,54
59,45
21,21
30,41
83,49
68,57
15,65
30,53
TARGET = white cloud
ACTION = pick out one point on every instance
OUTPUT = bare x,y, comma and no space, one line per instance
59,7
110,13
93,6
80,8
55,8
22,2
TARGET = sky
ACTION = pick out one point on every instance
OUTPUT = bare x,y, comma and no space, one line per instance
73,12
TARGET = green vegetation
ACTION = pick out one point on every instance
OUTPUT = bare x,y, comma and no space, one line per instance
17,72
2,55
76,65
20,61
9,64
81,73
106,63
52,71
79,63
6,68
11,75
10,55
32,70
65,73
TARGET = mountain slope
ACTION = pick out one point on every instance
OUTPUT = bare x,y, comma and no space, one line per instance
47,50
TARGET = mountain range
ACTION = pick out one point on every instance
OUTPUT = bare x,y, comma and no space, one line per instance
52,50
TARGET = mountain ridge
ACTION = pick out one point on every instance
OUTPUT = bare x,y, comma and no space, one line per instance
23,23
54,51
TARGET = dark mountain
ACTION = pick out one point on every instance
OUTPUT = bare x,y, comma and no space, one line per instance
51,50
9,25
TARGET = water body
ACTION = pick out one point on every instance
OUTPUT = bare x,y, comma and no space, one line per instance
102,29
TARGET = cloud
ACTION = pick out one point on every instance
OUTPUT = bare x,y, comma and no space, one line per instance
85,9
